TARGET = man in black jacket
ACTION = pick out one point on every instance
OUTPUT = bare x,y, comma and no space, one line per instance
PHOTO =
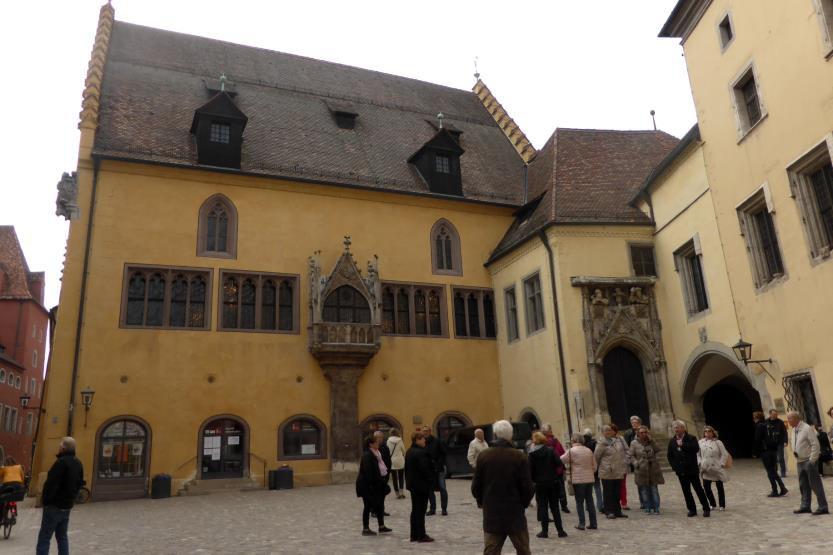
64,480
419,479
502,485
682,456
770,437
437,451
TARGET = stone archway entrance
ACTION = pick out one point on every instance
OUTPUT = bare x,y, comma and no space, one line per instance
723,395
625,388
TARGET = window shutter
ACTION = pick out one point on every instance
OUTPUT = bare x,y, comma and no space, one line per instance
768,199
696,241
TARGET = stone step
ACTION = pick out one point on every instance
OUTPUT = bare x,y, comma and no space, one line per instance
205,487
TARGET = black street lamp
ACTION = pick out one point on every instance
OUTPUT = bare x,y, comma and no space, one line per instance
24,400
743,352
87,400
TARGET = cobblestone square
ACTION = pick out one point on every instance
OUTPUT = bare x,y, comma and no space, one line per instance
328,520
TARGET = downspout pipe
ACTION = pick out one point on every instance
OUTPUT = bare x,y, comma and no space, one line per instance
559,347
82,299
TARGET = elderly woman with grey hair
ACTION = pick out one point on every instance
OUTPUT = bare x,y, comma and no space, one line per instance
581,471
503,487
612,461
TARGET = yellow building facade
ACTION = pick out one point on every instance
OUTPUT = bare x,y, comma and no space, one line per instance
269,255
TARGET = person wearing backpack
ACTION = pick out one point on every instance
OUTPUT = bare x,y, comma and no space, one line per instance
768,436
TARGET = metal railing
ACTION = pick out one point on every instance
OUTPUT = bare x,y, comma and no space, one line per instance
262,460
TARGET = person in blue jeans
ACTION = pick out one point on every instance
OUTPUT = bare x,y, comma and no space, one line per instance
773,416
63,481
647,472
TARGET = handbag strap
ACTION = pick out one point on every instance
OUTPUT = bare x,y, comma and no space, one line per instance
570,460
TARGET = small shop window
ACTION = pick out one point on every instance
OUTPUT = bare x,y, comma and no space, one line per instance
301,438
122,450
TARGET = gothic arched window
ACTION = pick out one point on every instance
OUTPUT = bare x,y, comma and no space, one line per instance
346,305
217,228
445,249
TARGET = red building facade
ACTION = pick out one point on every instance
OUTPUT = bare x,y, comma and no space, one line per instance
24,325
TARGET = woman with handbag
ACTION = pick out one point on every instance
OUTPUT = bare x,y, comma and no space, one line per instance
714,461
371,486
646,469
581,477
397,457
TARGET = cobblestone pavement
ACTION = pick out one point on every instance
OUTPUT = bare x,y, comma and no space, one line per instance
328,520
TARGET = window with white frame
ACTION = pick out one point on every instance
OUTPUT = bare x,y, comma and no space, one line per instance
758,229
35,358
747,100
534,304
30,421
17,382
824,9
33,387
811,181
688,261
511,314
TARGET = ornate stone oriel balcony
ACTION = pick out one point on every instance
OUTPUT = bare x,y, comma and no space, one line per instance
338,340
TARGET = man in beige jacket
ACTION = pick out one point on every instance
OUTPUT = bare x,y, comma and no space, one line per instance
805,443
477,446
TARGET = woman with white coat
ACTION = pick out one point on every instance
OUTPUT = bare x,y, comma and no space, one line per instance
713,458
397,459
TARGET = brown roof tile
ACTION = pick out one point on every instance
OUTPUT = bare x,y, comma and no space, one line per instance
587,176
16,274
154,80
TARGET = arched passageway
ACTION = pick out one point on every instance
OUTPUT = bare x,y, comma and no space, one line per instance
728,407
723,394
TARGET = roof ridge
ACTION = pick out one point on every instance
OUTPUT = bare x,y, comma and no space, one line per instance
589,130
298,56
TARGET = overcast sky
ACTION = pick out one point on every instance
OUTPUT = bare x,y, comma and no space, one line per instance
555,63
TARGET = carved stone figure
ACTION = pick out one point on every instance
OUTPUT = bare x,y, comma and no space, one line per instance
637,297
598,298
66,204
620,296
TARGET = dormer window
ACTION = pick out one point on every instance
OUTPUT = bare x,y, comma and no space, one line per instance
438,163
343,113
442,163
220,133
218,128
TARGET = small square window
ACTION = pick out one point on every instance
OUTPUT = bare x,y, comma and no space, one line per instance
726,32
220,133
442,163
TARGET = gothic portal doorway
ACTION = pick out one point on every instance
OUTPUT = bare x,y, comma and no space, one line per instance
625,388
728,407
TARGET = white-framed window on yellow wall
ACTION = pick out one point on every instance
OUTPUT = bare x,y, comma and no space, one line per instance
747,100
688,262
811,185
757,226
824,10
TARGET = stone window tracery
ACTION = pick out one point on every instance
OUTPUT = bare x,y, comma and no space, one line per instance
445,249
412,310
256,301
217,229
474,313
170,298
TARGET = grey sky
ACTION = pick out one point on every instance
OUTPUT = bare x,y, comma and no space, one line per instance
558,63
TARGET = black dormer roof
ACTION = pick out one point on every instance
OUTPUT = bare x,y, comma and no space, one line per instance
438,162
218,127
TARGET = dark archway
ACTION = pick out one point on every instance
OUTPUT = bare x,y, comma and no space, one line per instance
728,407
531,419
625,388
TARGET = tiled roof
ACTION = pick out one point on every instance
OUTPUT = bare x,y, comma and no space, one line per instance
587,176
16,274
155,79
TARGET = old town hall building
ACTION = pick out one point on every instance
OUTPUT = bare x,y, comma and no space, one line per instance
270,254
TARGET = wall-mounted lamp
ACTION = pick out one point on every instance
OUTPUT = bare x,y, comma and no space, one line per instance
87,401
743,352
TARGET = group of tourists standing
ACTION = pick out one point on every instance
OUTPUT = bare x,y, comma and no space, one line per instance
507,479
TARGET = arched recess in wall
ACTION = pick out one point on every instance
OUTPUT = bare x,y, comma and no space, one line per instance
302,436
379,422
122,458
223,447
446,255
448,421
217,228
530,416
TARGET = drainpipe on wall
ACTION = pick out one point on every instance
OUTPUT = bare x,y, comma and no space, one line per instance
526,183
82,299
543,235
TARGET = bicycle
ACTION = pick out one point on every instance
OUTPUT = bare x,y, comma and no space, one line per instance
8,517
